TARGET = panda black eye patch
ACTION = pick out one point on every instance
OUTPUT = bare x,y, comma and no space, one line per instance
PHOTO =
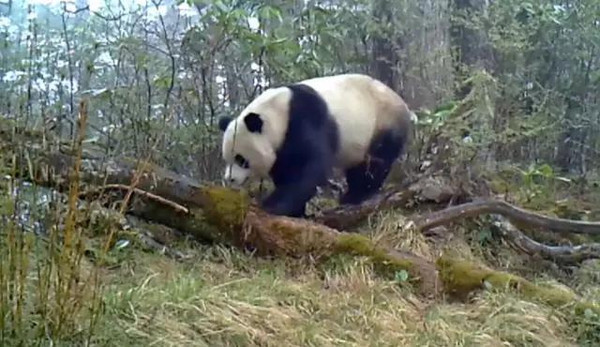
241,161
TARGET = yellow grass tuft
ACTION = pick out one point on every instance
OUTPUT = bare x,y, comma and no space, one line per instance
496,319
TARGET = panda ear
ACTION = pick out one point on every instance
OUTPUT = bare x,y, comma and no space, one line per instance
224,122
253,122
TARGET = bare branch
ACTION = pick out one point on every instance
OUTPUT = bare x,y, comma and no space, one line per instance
513,213
565,254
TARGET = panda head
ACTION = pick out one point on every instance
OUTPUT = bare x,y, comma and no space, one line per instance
250,141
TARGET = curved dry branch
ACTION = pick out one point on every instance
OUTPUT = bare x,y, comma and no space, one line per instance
344,217
140,192
564,254
514,214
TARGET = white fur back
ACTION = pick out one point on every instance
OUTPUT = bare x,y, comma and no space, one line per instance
360,106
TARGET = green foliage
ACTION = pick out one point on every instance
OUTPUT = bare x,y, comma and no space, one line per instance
436,119
535,181
484,236
401,276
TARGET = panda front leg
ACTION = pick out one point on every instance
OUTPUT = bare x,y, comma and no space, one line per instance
295,185
287,200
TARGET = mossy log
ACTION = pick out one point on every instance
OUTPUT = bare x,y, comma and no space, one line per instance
461,278
243,225
246,226
227,216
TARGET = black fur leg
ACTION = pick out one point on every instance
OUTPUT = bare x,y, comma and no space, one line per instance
293,191
365,179
290,200
287,201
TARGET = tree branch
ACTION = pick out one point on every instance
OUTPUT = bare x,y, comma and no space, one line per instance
514,214
564,254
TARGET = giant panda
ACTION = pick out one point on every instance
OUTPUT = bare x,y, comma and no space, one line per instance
299,133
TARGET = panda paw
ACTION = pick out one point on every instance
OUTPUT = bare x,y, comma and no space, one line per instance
348,200
283,209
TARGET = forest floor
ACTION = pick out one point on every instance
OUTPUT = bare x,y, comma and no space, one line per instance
219,296
223,297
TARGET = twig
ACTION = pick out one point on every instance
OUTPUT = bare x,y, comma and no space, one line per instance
146,194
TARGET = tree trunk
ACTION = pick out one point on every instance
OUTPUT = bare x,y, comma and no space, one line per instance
383,55
468,45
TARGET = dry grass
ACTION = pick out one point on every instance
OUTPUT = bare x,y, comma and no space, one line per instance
389,229
224,298
46,292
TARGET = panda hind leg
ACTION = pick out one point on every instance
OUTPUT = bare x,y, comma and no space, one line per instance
365,179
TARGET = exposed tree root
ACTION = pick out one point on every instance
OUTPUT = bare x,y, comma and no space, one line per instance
563,254
514,214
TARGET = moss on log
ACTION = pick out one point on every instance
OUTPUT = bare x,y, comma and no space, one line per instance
461,278
218,215
385,262
225,209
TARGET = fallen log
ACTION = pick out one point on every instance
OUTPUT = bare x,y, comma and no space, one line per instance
461,278
219,214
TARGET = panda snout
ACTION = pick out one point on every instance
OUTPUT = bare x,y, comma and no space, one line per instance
232,181
234,176
228,180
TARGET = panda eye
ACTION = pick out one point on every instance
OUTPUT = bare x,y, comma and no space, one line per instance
241,161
